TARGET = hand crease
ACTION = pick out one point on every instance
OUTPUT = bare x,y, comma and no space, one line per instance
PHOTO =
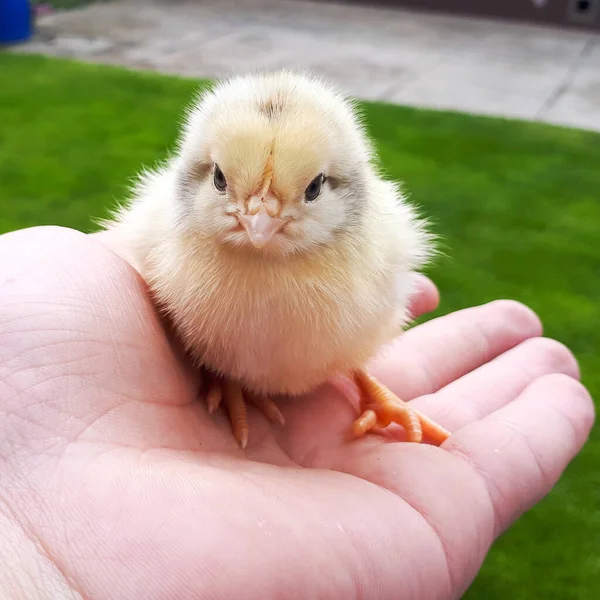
542,472
44,551
486,482
399,496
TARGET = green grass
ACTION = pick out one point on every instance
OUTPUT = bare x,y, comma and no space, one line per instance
65,4
518,205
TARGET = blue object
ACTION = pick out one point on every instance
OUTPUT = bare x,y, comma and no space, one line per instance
16,21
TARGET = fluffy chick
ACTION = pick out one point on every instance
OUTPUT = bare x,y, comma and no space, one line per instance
278,252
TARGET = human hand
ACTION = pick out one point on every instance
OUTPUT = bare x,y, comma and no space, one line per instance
116,483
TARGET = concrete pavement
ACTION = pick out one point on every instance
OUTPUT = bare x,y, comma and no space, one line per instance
471,65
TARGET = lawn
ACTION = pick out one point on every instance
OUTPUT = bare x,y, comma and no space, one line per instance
63,4
517,204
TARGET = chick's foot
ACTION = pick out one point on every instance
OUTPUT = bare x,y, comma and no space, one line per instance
235,397
381,407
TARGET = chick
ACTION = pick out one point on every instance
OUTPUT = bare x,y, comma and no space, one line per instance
277,251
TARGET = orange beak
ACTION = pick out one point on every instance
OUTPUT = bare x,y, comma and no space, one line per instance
261,222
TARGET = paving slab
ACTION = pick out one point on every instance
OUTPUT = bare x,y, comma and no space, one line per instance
420,59
577,103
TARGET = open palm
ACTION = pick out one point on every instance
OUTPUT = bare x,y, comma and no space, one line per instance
117,484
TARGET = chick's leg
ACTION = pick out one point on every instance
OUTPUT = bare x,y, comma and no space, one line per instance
236,407
221,388
381,407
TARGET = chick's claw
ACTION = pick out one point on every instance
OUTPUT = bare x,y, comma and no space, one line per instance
214,395
235,400
364,423
381,407
268,406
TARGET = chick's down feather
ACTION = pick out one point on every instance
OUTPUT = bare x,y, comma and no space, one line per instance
276,249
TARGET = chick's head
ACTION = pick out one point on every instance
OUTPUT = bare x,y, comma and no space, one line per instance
276,163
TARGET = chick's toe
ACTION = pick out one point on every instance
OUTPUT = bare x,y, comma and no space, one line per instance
235,398
381,407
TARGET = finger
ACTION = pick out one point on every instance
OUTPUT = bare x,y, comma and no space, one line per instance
432,355
422,361
521,450
425,297
117,243
496,383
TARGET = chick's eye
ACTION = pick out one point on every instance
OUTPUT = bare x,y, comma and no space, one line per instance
219,179
314,188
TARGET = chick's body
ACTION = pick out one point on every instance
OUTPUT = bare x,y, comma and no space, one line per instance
333,283
281,325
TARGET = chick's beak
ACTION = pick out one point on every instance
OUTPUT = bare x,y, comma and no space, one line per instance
261,226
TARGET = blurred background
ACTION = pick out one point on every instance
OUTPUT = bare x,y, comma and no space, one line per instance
489,112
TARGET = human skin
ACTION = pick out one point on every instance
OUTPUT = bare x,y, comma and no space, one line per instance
115,482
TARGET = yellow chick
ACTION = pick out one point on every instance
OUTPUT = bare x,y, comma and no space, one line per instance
277,251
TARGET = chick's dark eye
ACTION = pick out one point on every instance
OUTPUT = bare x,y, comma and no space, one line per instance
219,179
314,188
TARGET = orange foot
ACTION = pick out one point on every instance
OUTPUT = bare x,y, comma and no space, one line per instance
381,407
221,388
